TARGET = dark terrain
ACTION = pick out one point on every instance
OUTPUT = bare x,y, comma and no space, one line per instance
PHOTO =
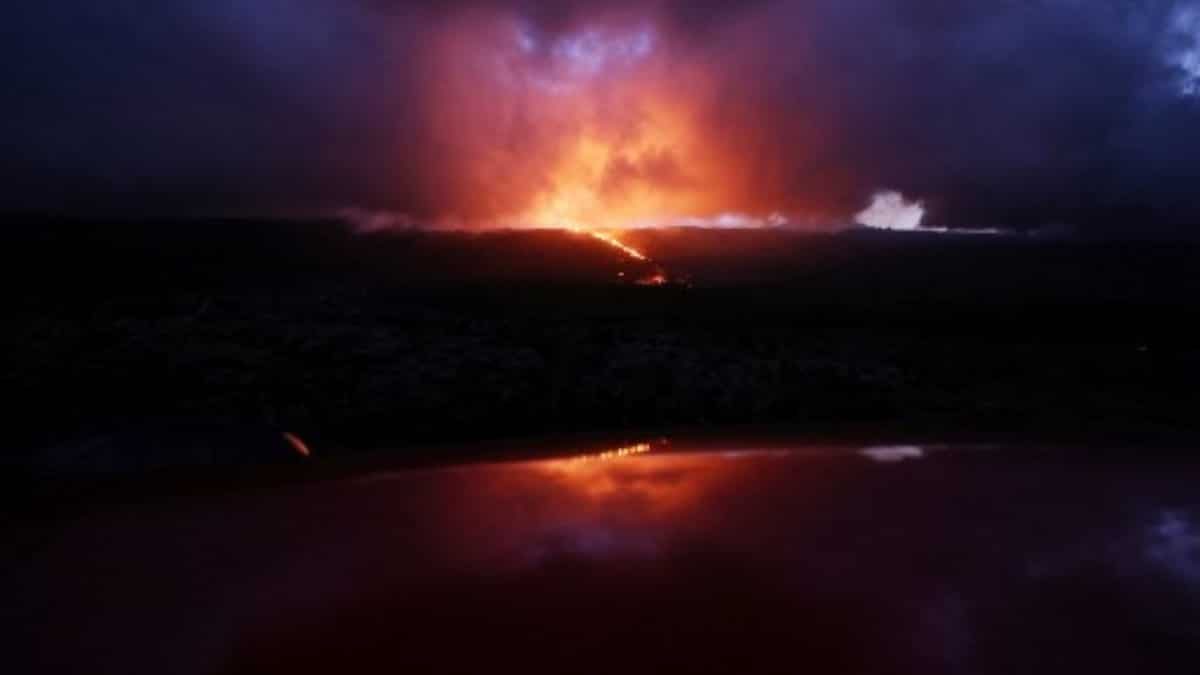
121,334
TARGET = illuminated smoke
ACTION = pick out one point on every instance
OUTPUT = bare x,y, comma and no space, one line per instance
617,115
891,211
602,126
893,454
611,113
367,221
1186,25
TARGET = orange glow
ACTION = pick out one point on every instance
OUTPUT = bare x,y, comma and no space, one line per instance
297,444
598,128
659,279
616,173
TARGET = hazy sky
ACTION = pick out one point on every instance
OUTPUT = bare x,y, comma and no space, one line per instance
994,112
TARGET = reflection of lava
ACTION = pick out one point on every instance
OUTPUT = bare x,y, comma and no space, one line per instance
297,444
629,479
618,453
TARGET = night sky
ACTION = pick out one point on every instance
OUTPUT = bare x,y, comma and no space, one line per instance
1080,114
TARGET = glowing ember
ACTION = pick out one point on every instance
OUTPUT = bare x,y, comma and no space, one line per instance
659,279
297,444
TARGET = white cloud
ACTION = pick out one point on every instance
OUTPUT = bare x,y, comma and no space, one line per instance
889,210
1186,25
891,454
1176,544
367,220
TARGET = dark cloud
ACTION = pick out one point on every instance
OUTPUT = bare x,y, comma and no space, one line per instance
1015,114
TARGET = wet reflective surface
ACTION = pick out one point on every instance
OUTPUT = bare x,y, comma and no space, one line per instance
642,558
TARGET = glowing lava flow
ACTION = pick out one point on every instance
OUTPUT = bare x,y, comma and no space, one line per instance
613,242
660,276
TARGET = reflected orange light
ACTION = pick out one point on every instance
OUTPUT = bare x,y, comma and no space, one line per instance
297,444
655,280
617,453
628,474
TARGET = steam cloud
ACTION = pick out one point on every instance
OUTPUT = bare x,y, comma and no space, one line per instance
890,211
992,114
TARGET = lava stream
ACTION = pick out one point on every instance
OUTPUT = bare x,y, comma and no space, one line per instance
660,275
614,242
658,278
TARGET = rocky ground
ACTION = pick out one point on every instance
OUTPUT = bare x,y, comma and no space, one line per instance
353,361
358,372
